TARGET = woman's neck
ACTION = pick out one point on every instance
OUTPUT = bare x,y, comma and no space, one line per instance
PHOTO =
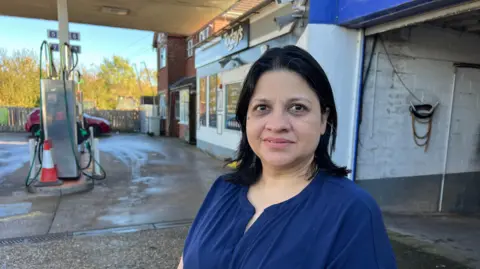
288,176
277,185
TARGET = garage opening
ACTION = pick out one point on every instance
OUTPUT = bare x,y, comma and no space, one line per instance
419,142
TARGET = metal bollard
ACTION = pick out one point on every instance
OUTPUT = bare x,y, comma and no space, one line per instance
33,161
91,134
96,154
92,147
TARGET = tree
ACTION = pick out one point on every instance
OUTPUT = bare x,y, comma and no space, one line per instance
19,79
114,78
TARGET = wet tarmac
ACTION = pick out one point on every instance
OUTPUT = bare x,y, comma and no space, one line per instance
149,180
453,236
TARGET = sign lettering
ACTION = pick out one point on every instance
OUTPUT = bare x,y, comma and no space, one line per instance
75,48
74,36
233,38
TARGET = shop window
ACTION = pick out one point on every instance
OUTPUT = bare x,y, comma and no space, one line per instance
212,101
163,57
184,100
232,94
177,108
163,106
203,101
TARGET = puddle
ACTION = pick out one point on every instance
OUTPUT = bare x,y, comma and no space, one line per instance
156,190
128,219
12,157
7,210
120,230
133,153
160,162
145,180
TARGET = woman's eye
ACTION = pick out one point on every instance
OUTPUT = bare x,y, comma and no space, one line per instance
298,108
261,107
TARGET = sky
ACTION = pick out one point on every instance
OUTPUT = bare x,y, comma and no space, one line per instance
97,42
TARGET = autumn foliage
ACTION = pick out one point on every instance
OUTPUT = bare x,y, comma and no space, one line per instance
102,85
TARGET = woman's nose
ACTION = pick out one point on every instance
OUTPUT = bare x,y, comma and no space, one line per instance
277,121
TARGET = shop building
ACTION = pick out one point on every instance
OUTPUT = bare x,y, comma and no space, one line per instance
176,71
222,64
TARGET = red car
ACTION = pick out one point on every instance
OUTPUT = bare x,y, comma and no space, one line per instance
100,125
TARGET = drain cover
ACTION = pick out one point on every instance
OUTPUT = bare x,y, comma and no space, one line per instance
34,239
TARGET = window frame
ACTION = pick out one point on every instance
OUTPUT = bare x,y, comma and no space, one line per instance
225,121
212,89
205,79
189,47
163,57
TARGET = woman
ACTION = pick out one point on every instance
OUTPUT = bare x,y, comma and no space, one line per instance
287,205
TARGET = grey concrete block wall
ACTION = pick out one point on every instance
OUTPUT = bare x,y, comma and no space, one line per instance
424,57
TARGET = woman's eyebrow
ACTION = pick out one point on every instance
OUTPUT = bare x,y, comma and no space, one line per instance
261,100
296,99
291,100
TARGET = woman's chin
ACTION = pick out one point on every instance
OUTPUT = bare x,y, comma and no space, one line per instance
278,161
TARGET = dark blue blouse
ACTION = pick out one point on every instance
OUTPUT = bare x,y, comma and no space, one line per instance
331,224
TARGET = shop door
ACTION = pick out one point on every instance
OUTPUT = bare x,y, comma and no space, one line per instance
174,114
461,192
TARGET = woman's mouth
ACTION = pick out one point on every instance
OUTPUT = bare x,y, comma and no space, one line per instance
277,142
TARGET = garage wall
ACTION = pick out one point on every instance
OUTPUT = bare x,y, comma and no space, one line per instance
397,172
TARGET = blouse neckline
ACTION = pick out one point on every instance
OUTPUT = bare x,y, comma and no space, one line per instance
298,198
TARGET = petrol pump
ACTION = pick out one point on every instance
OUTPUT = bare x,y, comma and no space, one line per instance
59,118
61,125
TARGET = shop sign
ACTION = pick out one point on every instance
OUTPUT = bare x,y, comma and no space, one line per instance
233,37
232,41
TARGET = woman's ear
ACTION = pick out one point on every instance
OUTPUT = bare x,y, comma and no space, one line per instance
325,115
324,120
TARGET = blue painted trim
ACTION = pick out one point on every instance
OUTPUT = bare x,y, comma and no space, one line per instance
323,11
350,10
366,13
401,11
358,107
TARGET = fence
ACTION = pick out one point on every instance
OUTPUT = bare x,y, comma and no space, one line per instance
13,119
120,120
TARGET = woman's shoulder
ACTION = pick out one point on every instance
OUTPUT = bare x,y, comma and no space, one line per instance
220,187
222,183
345,192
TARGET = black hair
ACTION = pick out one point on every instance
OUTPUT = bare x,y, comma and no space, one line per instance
294,59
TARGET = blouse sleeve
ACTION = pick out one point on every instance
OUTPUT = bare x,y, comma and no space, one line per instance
362,241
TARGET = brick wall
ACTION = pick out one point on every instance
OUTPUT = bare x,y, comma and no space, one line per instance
190,70
424,58
176,58
162,75
178,66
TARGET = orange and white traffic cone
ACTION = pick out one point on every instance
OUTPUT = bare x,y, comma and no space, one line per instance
48,176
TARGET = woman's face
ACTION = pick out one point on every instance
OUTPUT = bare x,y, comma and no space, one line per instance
284,120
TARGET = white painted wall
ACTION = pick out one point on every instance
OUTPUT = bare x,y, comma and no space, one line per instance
464,143
338,50
220,136
424,57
